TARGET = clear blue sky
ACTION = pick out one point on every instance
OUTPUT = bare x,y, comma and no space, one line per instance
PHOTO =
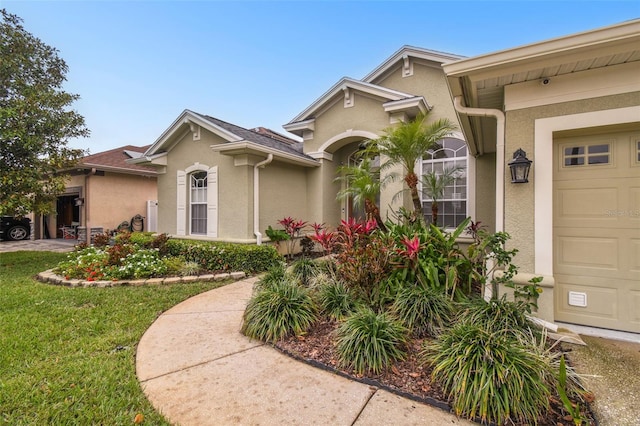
137,65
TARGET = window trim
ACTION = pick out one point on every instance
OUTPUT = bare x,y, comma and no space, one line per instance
183,218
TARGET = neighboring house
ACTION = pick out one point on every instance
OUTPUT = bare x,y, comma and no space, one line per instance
220,181
103,190
573,104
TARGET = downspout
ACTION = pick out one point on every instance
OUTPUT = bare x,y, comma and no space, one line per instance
256,198
87,225
499,116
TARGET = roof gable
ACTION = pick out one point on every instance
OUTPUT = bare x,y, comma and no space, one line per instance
406,56
236,139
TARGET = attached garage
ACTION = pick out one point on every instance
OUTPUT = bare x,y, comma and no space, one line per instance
596,228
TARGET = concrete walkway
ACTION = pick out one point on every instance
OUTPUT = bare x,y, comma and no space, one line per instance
197,369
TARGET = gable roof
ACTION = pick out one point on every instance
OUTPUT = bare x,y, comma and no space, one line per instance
236,139
396,100
115,160
404,54
343,86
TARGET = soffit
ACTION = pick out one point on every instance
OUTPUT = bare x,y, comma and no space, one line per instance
481,80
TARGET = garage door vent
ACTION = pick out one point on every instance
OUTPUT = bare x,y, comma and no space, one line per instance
577,299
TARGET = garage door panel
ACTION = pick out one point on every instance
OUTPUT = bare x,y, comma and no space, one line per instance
634,257
579,203
598,254
608,306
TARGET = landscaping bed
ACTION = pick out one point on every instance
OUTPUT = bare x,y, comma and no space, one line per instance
409,378
402,309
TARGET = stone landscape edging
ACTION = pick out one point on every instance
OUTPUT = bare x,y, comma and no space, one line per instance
49,276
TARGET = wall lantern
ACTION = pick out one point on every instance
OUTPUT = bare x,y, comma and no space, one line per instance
520,166
79,201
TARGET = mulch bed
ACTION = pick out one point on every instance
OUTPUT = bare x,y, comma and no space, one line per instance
408,378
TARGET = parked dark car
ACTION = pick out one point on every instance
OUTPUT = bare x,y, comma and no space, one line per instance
12,228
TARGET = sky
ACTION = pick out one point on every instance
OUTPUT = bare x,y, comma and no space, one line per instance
138,64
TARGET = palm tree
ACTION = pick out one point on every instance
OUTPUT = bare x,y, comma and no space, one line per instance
434,183
362,184
407,143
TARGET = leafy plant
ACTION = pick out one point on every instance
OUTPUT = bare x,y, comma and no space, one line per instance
336,300
489,374
303,270
422,309
434,184
307,245
572,409
405,144
496,315
370,341
190,268
292,227
362,184
276,235
277,311
274,275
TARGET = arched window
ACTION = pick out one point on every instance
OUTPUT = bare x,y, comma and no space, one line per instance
198,203
452,205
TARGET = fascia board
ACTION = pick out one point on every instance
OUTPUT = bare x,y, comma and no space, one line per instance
624,32
120,169
415,52
251,147
350,83
154,160
402,104
300,125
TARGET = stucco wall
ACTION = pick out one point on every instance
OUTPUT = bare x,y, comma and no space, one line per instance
485,181
114,198
283,193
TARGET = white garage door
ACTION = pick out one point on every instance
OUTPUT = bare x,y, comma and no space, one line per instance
597,230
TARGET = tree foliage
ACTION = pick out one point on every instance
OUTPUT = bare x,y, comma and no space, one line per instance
406,143
36,121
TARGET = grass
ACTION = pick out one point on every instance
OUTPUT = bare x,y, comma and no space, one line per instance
68,354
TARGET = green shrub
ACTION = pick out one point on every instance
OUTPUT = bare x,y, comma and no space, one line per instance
277,311
174,265
370,341
336,300
422,309
274,275
497,314
225,257
489,374
143,263
142,239
303,270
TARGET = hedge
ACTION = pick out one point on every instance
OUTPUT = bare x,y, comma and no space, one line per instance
226,257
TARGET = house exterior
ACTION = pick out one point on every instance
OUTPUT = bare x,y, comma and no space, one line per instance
103,190
573,104
223,182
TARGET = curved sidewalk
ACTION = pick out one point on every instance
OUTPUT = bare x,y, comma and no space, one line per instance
197,369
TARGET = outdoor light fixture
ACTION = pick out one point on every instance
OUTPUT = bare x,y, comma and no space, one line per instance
79,201
520,166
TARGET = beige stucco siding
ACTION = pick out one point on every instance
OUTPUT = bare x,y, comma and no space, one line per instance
283,193
367,114
427,81
519,198
485,181
114,198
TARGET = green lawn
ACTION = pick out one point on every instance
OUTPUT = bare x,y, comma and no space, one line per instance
67,355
